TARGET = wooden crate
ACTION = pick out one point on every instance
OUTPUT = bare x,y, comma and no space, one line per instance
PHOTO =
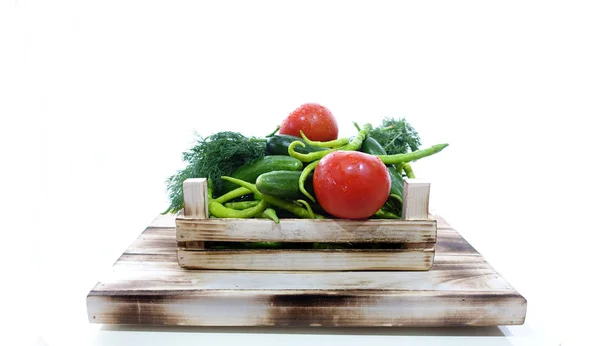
406,244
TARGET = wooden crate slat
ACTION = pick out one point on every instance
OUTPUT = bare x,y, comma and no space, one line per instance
161,241
334,260
299,230
458,276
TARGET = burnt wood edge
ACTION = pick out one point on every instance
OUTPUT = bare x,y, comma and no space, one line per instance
320,300
300,308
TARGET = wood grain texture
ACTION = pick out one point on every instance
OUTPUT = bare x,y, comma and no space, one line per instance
410,259
147,286
195,202
300,230
421,234
416,199
195,198
308,308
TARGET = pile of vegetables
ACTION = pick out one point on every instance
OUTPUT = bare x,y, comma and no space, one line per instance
304,170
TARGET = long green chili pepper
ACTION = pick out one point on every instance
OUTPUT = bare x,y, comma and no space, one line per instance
407,169
278,202
219,210
305,173
307,157
415,155
291,207
329,144
310,157
270,213
242,183
241,205
239,192
308,208
360,137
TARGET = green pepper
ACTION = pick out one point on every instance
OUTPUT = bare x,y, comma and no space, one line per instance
241,205
310,157
278,202
219,210
412,156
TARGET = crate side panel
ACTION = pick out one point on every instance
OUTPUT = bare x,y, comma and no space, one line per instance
300,230
321,260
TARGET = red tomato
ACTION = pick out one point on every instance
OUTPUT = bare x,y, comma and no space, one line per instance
316,121
351,184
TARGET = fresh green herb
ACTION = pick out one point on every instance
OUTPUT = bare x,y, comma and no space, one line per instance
212,157
396,136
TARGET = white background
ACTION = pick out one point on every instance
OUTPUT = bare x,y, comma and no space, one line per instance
99,98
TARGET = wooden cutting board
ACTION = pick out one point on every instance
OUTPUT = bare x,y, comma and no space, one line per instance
147,286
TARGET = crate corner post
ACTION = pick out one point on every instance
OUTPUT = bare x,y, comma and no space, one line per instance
195,206
416,199
195,198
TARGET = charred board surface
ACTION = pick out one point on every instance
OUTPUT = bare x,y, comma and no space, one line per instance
147,286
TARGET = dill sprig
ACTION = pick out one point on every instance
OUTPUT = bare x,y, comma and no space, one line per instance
212,157
396,136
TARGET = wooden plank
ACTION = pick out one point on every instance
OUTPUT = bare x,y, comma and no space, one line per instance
162,240
163,220
195,198
298,230
453,243
416,199
309,308
195,203
331,260
462,274
149,287
150,245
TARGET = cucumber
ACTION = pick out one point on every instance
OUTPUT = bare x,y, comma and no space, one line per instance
278,145
265,164
283,184
371,146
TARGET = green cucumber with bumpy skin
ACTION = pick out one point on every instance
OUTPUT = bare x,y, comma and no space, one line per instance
283,184
269,163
